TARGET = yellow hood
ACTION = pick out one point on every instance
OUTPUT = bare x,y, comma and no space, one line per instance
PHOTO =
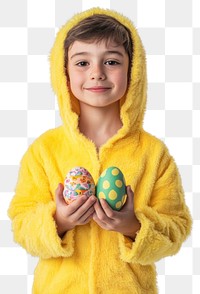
132,110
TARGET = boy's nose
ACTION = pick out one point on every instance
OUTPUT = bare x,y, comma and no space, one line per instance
97,74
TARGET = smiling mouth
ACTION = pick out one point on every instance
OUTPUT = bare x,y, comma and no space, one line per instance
98,89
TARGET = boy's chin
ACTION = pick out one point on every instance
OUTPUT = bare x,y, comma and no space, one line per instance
100,104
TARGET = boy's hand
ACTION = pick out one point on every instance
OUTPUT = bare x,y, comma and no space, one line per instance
79,212
123,221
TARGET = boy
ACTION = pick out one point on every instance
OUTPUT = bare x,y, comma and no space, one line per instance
98,73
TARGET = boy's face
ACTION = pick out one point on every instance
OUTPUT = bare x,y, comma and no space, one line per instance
98,72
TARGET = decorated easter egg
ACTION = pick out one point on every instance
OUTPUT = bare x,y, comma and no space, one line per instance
78,182
111,186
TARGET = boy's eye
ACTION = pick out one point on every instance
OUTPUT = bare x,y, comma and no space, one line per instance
112,62
82,63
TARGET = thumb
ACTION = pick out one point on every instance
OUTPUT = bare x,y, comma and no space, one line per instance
130,196
59,195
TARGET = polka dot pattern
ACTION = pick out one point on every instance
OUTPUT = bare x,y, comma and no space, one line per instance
118,183
111,186
102,195
106,184
112,195
115,171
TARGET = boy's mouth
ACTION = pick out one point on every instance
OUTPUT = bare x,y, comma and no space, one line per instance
98,89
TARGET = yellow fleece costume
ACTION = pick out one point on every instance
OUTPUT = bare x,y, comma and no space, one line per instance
90,260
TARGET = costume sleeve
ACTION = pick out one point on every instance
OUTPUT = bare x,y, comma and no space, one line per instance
32,210
165,220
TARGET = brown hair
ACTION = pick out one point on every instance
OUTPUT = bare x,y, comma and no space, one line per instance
100,27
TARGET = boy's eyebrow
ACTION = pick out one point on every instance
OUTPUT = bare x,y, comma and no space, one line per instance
107,52
115,52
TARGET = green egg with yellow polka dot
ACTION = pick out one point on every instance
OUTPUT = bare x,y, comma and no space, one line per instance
111,186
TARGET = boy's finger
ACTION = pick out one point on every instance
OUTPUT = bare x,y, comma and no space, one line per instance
100,213
77,204
130,196
107,209
59,194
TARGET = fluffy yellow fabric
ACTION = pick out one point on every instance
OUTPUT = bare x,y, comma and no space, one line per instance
89,260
